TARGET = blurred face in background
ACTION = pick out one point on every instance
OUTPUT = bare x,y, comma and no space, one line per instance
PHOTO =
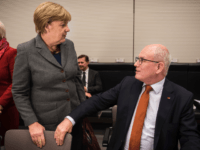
83,64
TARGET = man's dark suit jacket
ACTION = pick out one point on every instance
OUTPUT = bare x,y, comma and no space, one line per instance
175,117
94,82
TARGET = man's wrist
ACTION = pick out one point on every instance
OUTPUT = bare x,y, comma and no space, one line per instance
71,119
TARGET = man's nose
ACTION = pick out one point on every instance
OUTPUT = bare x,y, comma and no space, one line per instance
136,63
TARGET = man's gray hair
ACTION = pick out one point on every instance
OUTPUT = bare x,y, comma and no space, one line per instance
2,31
162,54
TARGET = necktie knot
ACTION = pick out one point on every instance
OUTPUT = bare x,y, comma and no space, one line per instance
148,88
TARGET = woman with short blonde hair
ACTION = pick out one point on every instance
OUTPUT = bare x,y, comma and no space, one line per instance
47,81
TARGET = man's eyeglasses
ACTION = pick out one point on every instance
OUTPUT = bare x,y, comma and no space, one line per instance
141,60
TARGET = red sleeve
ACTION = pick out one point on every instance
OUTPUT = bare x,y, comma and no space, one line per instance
6,98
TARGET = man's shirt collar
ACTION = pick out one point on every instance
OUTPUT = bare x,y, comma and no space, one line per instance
157,87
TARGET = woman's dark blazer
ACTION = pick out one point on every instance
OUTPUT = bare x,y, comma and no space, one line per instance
45,91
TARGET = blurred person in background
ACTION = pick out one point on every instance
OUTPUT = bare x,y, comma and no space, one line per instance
90,78
47,82
9,116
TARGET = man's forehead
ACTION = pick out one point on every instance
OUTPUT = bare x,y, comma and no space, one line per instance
147,52
81,59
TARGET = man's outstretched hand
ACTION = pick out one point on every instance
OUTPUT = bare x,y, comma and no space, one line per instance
64,127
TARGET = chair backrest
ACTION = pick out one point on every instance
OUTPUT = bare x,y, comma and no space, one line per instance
114,114
20,140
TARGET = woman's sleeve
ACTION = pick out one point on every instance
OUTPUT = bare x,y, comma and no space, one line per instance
22,86
6,98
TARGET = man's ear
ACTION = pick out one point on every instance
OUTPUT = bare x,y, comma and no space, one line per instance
161,67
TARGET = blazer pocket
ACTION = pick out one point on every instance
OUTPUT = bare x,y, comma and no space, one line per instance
46,112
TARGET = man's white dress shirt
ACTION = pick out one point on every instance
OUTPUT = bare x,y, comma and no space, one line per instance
147,138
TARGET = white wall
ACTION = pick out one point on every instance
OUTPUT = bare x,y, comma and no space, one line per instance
106,30
100,29
173,23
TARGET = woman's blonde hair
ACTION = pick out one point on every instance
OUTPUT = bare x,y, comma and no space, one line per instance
48,12
2,31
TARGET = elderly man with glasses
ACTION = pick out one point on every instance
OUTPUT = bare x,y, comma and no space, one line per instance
152,113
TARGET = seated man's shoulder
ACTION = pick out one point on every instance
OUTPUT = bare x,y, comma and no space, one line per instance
93,71
179,90
131,79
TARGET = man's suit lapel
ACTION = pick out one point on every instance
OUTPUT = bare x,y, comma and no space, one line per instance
166,101
44,51
133,98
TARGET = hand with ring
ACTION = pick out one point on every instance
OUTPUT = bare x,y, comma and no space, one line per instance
37,134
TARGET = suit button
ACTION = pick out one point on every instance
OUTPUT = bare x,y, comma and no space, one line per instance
64,81
68,99
61,71
67,90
